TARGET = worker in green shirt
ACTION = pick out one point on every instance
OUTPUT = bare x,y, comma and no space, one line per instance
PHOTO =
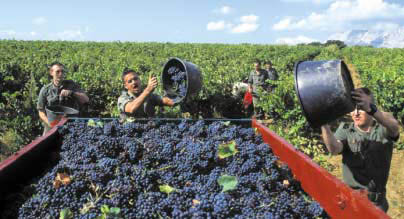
59,92
272,73
136,101
366,146
257,78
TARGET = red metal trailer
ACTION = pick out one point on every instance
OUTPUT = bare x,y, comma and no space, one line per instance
334,196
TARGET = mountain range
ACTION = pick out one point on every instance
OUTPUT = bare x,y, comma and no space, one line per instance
379,39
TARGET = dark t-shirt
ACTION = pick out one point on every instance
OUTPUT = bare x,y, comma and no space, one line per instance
366,156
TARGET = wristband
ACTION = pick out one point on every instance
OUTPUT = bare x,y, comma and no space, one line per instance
373,109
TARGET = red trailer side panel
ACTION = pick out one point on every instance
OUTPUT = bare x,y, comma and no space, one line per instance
25,163
338,199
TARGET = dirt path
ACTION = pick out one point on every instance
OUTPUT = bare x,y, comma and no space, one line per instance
395,185
354,74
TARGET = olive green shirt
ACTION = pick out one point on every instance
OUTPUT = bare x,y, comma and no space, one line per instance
272,74
145,110
49,95
366,156
258,79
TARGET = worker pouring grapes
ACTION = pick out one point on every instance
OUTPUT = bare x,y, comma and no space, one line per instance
366,146
138,102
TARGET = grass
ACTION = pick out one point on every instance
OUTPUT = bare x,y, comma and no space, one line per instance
10,142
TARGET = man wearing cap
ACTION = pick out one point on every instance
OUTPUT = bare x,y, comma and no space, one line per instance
366,146
138,102
59,92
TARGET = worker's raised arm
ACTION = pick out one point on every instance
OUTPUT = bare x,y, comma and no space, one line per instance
333,145
133,105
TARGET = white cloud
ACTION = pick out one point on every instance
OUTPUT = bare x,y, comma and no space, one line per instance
321,1
245,28
69,35
283,24
219,25
249,19
6,34
226,9
39,21
295,40
11,34
341,13
309,1
248,24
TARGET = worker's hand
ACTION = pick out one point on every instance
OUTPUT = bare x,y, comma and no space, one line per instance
46,121
152,84
362,100
325,126
168,101
66,93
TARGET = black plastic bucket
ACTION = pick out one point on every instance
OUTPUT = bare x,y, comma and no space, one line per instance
190,86
57,112
324,90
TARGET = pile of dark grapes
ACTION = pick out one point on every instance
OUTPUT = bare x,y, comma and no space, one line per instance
179,83
126,166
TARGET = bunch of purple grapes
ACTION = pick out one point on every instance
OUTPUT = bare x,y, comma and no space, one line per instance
126,165
179,82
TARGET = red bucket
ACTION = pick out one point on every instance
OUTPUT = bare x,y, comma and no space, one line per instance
248,99
56,113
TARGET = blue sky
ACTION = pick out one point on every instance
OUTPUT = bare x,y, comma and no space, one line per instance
223,21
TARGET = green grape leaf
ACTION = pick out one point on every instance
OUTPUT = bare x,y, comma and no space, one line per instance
227,149
228,182
66,214
227,123
105,209
115,211
166,189
91,123
100,124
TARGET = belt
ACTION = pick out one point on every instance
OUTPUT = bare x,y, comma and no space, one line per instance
376,196
372,196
